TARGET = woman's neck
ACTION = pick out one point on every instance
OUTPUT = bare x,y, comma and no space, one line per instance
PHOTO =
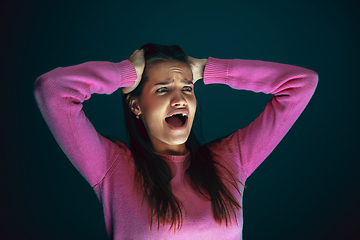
166,149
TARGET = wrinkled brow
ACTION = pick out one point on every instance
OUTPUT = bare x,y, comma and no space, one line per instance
170,82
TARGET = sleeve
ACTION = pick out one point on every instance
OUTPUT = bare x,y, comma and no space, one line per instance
60,94
292,88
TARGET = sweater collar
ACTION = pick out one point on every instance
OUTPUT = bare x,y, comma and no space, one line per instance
174,158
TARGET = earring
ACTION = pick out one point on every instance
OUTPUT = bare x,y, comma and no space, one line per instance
137,116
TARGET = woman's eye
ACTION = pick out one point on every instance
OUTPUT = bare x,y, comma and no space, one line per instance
161,90
188,89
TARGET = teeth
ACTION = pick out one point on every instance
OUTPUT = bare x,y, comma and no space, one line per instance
183,114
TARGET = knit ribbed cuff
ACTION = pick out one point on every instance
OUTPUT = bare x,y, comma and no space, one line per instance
127,73
216,70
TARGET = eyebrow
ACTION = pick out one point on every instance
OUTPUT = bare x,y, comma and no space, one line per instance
170,82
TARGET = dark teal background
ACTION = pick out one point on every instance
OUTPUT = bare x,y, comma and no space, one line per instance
308,188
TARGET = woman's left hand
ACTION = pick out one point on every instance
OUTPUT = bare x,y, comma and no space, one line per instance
197,68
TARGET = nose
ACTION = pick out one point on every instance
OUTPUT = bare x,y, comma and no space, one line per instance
178,101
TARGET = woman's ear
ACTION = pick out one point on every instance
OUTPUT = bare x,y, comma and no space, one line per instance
135,106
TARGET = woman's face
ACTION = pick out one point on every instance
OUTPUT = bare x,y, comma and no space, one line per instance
168,92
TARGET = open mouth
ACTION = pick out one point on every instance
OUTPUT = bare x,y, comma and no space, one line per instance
177,120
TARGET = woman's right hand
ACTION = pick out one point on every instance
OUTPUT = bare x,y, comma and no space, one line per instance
138,61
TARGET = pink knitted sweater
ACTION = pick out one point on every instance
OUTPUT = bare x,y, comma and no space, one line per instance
109,167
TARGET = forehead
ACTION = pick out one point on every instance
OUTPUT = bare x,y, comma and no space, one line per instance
168,70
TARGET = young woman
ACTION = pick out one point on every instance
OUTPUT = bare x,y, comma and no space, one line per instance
164,178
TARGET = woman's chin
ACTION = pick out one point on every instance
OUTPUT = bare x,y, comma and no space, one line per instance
177,140
168,136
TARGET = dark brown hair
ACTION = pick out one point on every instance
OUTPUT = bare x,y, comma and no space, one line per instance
153,174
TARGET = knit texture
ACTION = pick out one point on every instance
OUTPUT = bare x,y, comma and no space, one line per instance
109,167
